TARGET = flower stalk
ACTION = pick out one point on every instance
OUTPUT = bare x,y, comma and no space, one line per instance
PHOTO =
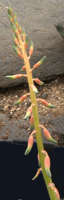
20,48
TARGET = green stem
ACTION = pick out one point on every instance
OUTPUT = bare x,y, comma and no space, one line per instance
39,139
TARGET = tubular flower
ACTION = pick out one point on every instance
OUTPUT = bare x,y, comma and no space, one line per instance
39,63
55,190
28,113
38,81
45,103
23,36
18,52
37,174
22,98
16,76
34,89
23,68
31,49
47,163
31,120
30,144
47,135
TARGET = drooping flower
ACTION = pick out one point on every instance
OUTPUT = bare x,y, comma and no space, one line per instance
38,81
47,163
31,49
39,63
45,103
37,173
30,144
28,113
16,76
22,98
47,134
34,88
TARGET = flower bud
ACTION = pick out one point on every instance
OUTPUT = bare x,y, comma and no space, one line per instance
55,190
31,120
45,103
37,174
22,98
16,76
47,163
28,113
39,63
38,81
30,144
34,89
31,49
47,134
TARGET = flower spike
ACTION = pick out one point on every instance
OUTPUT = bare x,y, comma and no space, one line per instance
37,174
30,144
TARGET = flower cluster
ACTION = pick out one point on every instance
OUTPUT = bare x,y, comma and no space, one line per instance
20,45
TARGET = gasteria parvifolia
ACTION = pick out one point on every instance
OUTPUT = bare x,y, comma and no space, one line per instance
20,45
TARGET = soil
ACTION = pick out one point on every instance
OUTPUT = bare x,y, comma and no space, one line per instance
53,92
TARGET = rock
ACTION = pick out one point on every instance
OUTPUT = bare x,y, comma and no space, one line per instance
38,18
18,130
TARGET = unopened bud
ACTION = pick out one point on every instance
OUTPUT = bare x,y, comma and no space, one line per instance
31,49
37,174
38,81
39,63
30,144
34,89
55,190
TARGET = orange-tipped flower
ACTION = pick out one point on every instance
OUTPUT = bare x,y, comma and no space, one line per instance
16,76
47,134
55,190
22,98
23,36
38,81
45,103
34,89
23,68
28,113
47,163
31,49
16,40
31,121
39,63
30,144
37,174
18,52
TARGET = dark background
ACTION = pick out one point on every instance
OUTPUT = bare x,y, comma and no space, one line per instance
17,170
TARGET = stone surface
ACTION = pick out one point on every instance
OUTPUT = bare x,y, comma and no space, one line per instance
39,19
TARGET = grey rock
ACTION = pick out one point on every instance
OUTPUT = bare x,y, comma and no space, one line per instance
18,130
38,18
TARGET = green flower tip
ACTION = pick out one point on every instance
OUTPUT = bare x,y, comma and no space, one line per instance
10,76
27,151
51,105
43,59
9,11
